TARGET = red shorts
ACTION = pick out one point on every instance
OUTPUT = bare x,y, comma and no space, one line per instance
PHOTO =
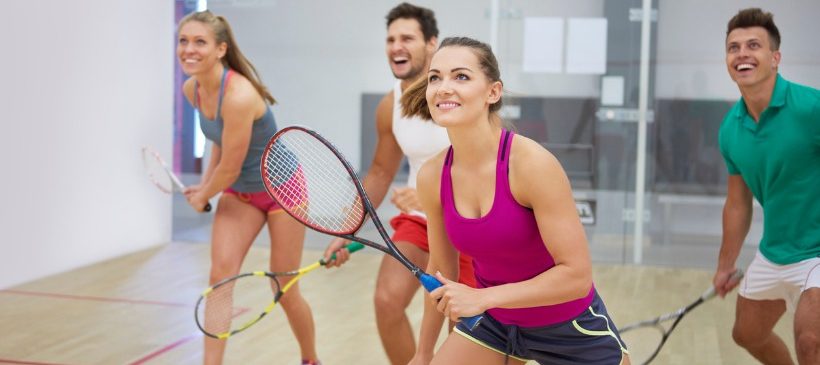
413,229
260,200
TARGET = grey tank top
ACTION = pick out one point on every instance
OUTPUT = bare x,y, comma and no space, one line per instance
250,178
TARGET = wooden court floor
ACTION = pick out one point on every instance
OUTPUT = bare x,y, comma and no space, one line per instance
138,309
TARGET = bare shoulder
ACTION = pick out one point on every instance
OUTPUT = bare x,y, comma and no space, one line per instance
429,176
534,172
527,155
240,94
384,111
188,89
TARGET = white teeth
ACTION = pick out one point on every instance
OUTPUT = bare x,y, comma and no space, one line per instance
744,66
447,105
399,59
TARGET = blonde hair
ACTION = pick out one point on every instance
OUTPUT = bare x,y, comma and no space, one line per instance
234,59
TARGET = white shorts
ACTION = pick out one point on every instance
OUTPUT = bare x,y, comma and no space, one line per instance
766,280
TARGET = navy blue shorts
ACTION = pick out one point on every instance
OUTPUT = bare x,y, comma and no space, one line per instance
591,338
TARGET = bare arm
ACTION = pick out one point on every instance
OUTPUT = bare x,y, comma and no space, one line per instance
387,157
379,176
737,218
216,154
443,256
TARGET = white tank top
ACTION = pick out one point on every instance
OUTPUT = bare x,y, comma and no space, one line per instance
419,139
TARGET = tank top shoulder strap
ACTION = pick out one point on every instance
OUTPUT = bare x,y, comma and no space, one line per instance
226,76
196,94
446,188
502,164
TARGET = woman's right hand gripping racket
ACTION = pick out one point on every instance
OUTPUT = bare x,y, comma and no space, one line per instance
315,184
162,176
646,338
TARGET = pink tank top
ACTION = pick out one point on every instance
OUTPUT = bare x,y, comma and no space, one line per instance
505,245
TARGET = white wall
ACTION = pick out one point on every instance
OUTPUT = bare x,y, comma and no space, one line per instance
85,84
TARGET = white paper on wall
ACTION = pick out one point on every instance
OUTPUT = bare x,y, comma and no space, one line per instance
586,46
543,44
612,90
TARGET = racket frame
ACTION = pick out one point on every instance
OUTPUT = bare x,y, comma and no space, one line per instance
176,183
281,290
429,282
677,315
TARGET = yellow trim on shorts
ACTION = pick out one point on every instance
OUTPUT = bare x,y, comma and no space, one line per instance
482,344
608,331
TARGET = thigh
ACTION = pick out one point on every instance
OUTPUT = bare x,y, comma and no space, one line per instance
763,280
807,316
235,226
394,279
758,316
287,238
458,349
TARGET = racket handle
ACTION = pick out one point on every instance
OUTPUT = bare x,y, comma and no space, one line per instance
709,293
430,283
352,247
207,207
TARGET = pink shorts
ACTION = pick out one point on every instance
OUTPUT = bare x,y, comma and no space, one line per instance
260,200
413,229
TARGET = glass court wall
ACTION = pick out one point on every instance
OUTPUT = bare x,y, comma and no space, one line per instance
573,74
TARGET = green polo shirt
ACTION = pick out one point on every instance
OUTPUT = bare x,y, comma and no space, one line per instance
779,159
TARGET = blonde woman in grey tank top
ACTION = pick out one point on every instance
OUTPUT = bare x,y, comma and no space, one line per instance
227,92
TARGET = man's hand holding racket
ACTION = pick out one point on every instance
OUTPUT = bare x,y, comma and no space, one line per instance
725,280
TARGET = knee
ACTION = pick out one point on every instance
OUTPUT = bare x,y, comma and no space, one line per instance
220,272
291,299
806,343
387,304
751,337
745,338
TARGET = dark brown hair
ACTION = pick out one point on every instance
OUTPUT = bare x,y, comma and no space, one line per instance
414,99
234,59
756,17
425,17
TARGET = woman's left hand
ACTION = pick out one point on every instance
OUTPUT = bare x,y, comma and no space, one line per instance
456,300
197,201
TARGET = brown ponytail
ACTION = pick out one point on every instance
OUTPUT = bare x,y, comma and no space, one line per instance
414,100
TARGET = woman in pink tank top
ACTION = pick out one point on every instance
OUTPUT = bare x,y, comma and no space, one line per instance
505,201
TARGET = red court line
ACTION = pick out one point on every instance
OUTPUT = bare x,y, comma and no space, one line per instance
165,349
92,298
140,361
6,361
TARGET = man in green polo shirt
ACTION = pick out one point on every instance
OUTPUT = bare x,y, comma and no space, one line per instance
771,143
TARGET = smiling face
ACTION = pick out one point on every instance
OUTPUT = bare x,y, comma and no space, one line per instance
750,58
197,48
458,91
406,49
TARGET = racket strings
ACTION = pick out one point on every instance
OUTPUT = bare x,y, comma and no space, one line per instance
236,304
156,170
313,183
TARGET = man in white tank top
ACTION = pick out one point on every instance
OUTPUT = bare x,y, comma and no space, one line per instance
412,37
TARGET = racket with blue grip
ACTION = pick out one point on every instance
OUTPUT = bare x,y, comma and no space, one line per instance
316,185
